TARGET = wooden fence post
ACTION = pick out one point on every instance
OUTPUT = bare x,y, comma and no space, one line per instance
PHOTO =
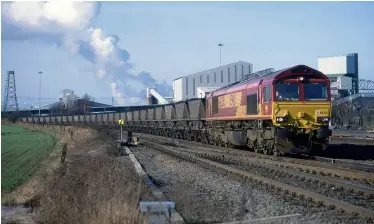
64,151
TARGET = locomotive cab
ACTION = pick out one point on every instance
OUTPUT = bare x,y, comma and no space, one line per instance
302,111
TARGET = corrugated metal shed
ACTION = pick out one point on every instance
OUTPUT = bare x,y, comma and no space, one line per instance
186,87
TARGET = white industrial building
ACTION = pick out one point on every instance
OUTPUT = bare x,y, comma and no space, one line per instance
68,97
342,72
196,85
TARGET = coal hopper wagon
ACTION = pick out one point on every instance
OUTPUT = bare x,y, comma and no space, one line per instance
283,112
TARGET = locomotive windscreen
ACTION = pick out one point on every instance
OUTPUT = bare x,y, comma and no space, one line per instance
287,91
315,91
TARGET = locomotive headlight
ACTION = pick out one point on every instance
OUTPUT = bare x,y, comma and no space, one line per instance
323,119
281,119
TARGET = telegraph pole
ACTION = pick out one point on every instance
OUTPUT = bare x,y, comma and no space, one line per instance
40,89
220,46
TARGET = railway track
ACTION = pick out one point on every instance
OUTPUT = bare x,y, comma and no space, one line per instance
348,163
279,179
272,166
359,173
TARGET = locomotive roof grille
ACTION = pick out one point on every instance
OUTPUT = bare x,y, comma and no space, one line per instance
270,72
250,77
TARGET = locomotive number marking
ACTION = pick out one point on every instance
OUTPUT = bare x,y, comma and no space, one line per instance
318,112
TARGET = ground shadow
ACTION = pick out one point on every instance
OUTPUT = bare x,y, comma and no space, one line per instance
349,151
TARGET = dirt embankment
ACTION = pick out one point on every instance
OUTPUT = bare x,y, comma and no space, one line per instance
92,186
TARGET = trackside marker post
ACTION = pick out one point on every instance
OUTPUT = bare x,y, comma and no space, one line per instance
121,122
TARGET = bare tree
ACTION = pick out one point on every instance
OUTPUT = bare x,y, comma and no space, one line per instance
86,103
13,116
343,114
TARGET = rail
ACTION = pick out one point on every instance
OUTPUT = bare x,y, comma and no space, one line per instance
272,184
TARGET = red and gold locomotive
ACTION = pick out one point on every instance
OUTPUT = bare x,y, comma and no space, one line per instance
283,112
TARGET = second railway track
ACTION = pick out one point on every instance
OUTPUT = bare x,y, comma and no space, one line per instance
359,200
358,173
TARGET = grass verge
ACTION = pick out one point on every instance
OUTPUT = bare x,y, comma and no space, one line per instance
92,186
22,152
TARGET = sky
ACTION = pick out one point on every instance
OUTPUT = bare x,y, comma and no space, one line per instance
120,48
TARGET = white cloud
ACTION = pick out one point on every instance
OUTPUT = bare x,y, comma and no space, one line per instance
100,73
70,23
102,44
118,97
51,16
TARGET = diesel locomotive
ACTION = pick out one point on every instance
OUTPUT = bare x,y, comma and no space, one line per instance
287,111
282,112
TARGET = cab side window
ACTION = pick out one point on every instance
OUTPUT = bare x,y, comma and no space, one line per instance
267,94
215,105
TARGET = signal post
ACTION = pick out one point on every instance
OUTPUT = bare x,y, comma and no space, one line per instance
121,122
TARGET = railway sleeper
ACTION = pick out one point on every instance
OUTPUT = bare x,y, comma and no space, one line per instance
321,200
285,173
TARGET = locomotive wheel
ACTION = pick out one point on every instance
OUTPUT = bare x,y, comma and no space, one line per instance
197,137
276,152
281,145
203,139
216,142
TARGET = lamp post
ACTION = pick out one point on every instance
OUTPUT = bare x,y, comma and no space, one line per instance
220,46
40,89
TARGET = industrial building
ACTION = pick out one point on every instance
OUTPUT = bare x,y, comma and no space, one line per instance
68,97
199,84
342,72
68,100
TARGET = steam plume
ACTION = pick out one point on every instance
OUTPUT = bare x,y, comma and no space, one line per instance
70,25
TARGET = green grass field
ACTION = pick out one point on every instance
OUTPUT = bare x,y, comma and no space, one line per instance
22,152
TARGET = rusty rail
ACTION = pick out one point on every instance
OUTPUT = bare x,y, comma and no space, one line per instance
308,166
320,199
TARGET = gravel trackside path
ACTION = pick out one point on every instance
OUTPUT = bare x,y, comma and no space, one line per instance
205,196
